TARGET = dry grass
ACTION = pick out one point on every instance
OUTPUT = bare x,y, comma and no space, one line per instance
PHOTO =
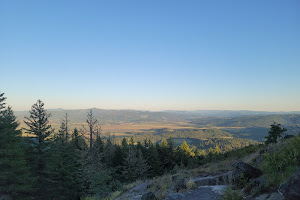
190,184
161,186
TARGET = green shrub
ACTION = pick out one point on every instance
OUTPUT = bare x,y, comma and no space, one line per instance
232,195
190,184
280,164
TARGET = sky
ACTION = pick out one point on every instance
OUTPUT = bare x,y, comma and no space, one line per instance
151,55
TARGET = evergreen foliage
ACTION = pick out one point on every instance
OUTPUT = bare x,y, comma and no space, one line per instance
15,178
38,123
275,133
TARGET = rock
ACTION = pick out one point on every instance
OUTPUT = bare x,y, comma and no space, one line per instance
180,185
291,189
272,196
175,196
276,196
5,197
202,192
225,178
245,170
209,180
259,159
257,185
259,181
149,196
262,197
136,192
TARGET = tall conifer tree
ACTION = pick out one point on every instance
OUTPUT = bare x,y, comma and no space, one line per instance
15,178
38,123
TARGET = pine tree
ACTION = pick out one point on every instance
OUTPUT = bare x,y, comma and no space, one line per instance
130,165
2,103
131,142
124,144
15,178
141,166
170,157
80,147
118,158
64,128
62,170
109,152
38,124
275,133
154,162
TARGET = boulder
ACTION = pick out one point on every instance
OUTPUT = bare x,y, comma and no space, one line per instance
209,180
180,185
272,196
261,197
291,189
175,196
275,196
5,197
149,196
258,184
245,170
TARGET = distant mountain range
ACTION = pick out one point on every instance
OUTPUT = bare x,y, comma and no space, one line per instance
223,118
227,113
240,124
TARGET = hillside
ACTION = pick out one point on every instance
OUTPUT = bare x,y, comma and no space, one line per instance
262,121
266,172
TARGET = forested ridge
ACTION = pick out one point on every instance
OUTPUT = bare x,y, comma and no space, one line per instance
71,164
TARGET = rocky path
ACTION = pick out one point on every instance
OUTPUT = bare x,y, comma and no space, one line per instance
202,192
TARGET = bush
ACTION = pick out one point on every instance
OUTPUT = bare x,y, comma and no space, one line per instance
280,164
232,195
190,184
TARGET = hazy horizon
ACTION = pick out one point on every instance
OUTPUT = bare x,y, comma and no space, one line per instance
163,110
156,55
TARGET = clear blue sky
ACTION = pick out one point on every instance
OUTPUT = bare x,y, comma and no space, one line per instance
152,55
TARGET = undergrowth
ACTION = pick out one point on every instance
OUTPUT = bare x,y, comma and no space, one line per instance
280,164
231,194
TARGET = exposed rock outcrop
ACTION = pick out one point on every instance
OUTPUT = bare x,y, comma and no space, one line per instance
291,189
136,192
149,196
272,196
245,170
180,185
202,192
